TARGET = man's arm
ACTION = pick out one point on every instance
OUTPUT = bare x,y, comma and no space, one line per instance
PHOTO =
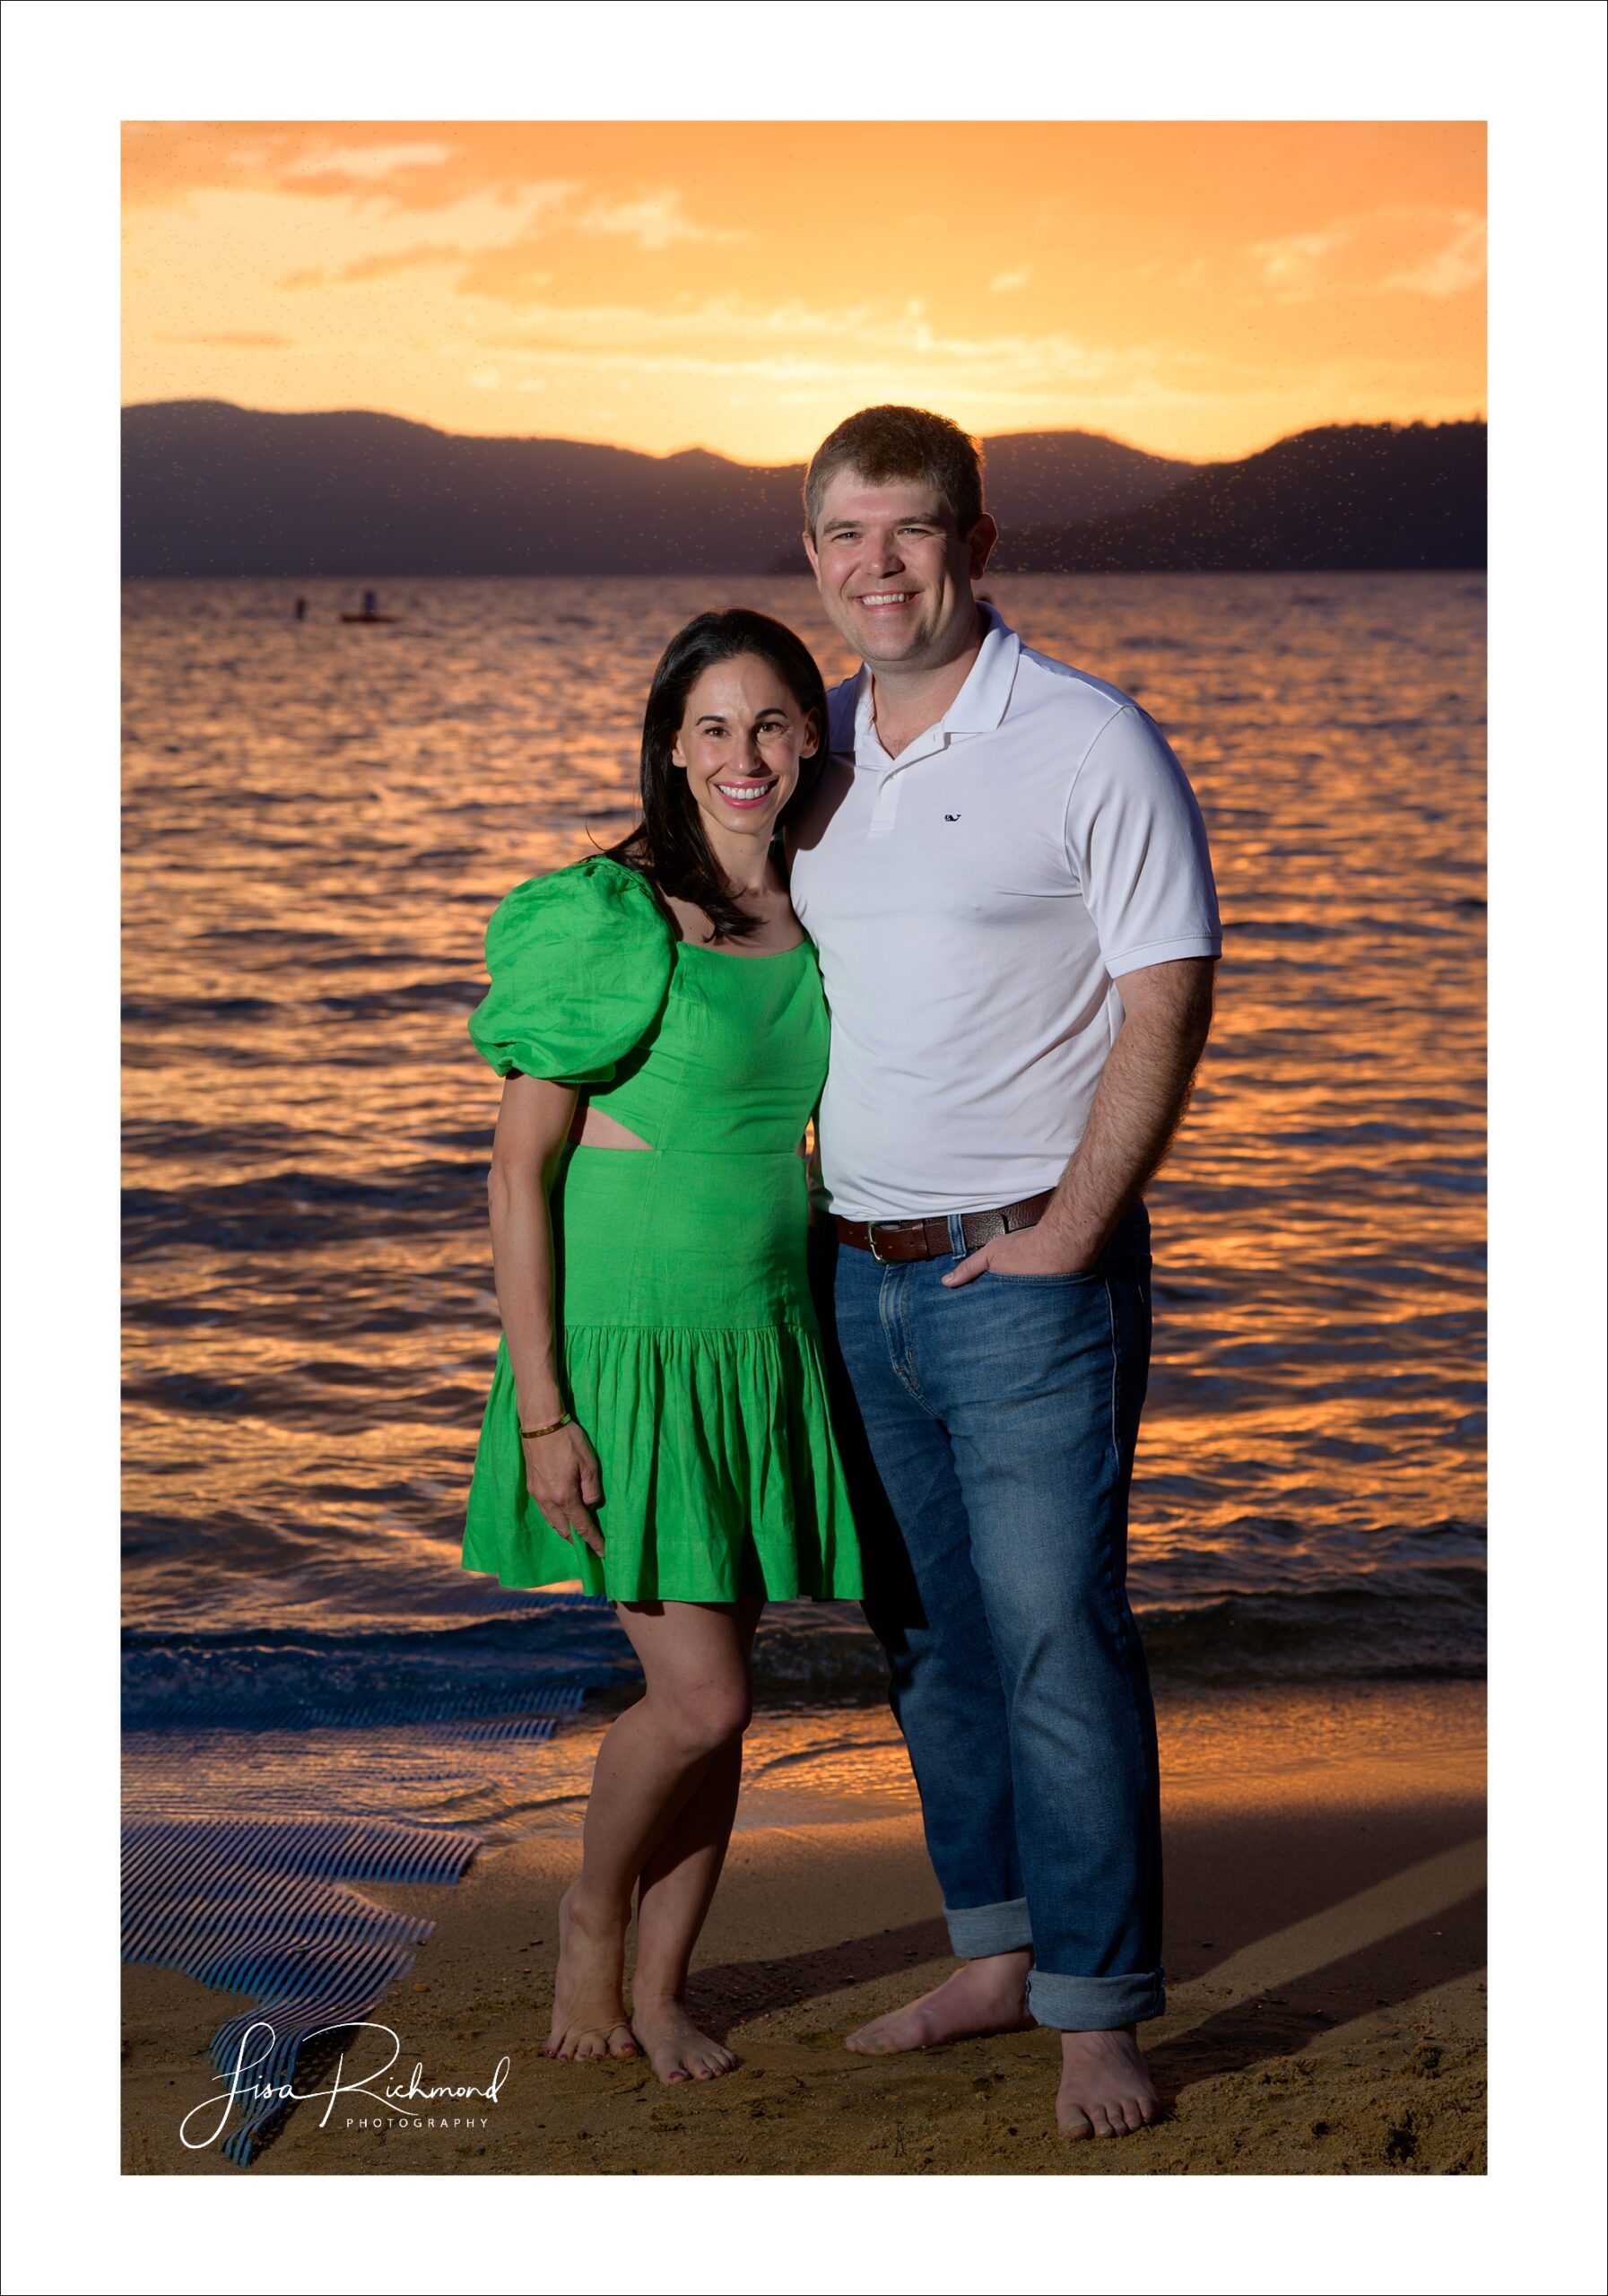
1138,1106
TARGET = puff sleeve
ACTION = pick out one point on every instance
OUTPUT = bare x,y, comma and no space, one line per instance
581,961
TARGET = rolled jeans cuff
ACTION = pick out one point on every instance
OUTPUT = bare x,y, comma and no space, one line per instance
975,1930
1094,2004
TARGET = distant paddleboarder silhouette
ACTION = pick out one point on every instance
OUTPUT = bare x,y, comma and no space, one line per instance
371,610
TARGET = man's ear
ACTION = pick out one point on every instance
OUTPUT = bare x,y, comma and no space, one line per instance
809,544
979,544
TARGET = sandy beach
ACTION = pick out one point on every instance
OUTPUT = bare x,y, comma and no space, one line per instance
1326,1951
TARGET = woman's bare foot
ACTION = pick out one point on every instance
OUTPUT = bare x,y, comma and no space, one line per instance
1106,2089
677,2050
588,2003
988,1996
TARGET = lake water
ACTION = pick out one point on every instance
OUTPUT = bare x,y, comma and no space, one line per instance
320,819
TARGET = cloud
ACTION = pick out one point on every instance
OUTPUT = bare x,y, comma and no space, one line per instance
226,341
1395,249
493,242
168,162
1292,268
471,189
368,162
366,268
1459,265
797,352
630,327
1004,281
483,227
655,221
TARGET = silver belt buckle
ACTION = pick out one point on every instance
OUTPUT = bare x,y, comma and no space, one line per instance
871,1228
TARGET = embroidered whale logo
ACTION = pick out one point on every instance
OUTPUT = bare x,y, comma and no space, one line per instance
951,817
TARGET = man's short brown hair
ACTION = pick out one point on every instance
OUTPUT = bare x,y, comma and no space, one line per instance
892,442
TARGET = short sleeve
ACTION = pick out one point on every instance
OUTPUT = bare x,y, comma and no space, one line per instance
579,962
1135,837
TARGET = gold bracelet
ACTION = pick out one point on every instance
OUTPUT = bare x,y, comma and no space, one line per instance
551,1428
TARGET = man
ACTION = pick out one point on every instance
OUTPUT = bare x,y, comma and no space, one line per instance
1006,875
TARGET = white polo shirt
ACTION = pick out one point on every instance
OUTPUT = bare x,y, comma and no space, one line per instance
975,902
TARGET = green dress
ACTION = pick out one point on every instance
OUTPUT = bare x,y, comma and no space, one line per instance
691,1353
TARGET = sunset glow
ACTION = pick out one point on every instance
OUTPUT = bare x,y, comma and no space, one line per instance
1195,289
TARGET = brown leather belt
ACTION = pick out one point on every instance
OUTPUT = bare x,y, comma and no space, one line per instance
895,1240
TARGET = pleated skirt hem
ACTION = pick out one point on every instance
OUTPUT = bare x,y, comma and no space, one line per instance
720,1477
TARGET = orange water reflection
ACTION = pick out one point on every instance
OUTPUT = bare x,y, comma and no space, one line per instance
319,821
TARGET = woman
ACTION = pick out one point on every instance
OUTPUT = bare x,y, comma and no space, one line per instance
657,1422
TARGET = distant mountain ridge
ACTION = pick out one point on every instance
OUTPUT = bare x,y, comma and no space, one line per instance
214,489
1377,495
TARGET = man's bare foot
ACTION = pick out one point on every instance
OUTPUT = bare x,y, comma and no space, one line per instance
589,2004
1106,2089
988,1996
677,2050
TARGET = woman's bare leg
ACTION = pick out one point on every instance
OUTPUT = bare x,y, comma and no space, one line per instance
677,1891
652,1762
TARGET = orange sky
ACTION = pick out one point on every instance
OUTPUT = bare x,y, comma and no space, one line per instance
1198,289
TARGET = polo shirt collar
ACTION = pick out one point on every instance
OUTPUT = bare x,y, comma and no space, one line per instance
981,702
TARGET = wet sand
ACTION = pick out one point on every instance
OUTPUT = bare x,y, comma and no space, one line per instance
1325,1951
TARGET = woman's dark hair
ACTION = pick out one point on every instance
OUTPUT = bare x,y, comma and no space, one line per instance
668,844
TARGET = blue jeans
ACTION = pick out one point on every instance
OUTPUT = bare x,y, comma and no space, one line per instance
989,1434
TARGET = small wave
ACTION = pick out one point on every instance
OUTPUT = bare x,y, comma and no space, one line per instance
1405,1619
1422,1626
180,1012
291,1211
411,997
275,1680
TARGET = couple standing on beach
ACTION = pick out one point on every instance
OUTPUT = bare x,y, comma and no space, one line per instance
988,868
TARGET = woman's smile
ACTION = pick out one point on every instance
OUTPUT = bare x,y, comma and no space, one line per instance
747,793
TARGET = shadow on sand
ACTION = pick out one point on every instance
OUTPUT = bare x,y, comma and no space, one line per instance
1337,1913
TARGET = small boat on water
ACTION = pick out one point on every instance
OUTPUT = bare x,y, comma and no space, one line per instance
371,610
